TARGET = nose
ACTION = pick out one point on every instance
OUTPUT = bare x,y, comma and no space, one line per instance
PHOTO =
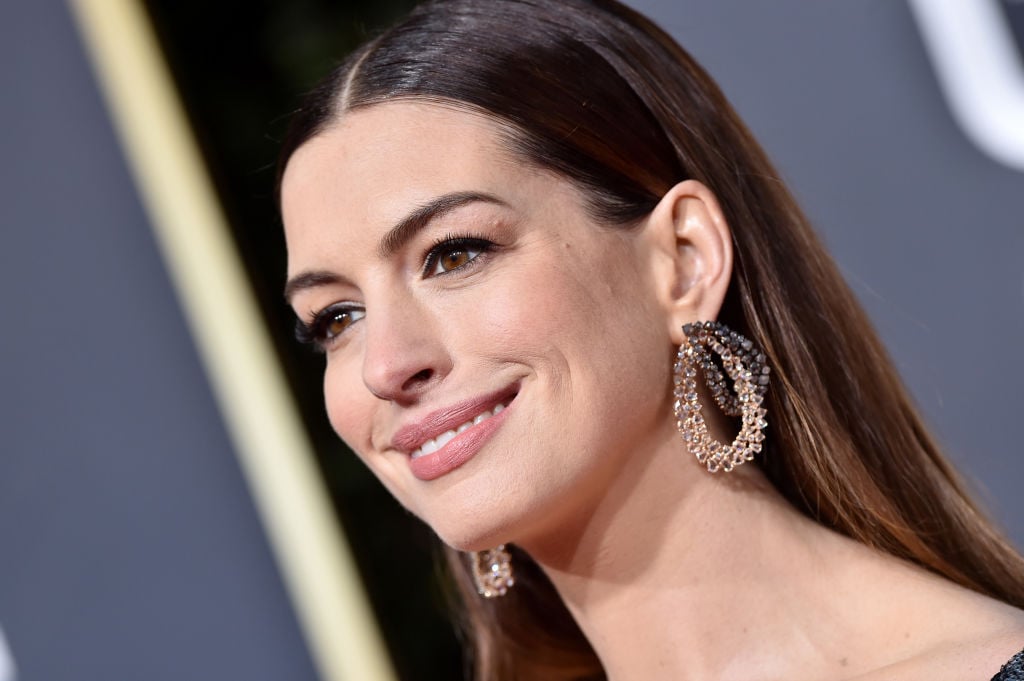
404,356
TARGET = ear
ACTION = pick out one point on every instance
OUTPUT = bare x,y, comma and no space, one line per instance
692,247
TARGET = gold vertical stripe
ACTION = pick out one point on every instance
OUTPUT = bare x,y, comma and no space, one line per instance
247,382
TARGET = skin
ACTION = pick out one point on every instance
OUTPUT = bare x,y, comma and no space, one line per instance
671,572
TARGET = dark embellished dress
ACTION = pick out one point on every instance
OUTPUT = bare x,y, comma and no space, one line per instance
1012,670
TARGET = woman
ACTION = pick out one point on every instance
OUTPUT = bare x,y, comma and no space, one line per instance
562,293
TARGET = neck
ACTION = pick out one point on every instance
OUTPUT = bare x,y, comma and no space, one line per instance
677,573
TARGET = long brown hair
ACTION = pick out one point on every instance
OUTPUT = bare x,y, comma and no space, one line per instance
597,93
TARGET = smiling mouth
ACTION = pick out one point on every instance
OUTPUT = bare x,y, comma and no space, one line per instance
434,444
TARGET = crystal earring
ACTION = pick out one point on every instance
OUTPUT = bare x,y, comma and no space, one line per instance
492,571
745,366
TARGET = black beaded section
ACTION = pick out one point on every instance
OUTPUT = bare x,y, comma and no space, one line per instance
706,337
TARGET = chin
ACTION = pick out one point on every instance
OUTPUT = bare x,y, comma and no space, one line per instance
476,537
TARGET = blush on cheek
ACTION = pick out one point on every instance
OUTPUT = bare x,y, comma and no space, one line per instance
345,422
347,402
536,305
516,319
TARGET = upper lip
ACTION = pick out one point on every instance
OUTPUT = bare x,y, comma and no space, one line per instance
411,436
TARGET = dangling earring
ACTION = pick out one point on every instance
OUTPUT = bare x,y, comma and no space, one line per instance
745,366
492,571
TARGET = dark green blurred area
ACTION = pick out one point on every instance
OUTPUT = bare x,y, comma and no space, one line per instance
241,69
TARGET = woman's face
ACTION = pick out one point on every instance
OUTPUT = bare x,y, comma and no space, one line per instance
492,353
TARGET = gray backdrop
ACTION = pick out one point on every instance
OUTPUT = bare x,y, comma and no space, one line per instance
927,229
129,547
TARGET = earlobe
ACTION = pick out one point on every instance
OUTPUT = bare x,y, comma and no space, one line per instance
694,244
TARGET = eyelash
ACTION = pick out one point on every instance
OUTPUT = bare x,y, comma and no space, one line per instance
315,333
450,243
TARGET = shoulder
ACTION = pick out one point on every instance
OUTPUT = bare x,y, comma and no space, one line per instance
997,656
992,648
984,645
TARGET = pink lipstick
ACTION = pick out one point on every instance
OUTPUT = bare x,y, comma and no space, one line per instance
449,437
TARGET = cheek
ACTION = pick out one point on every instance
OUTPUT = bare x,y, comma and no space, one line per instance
524,313
590,324
348,404
523,316
351,410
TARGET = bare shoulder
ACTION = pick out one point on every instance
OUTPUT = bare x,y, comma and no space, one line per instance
980,638
979,659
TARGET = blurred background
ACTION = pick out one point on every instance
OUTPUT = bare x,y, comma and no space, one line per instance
134,544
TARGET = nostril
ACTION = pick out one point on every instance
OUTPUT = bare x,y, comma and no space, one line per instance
420,377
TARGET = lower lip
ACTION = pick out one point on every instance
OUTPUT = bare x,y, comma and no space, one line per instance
459,450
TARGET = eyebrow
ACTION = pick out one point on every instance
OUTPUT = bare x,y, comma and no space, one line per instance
420,217
308,280
396,237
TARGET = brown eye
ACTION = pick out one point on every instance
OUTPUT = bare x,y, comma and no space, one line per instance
454,253
453,259
338,323
330,324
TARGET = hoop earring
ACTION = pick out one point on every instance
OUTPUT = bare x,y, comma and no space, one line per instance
745,366
492,571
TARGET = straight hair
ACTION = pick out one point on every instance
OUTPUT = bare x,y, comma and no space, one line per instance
598,94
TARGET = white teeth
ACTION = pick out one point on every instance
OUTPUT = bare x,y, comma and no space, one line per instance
431,446
445,438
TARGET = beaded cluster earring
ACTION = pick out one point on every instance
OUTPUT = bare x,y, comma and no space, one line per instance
745,366
492,571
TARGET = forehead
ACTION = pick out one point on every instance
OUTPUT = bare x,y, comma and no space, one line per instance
372,165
